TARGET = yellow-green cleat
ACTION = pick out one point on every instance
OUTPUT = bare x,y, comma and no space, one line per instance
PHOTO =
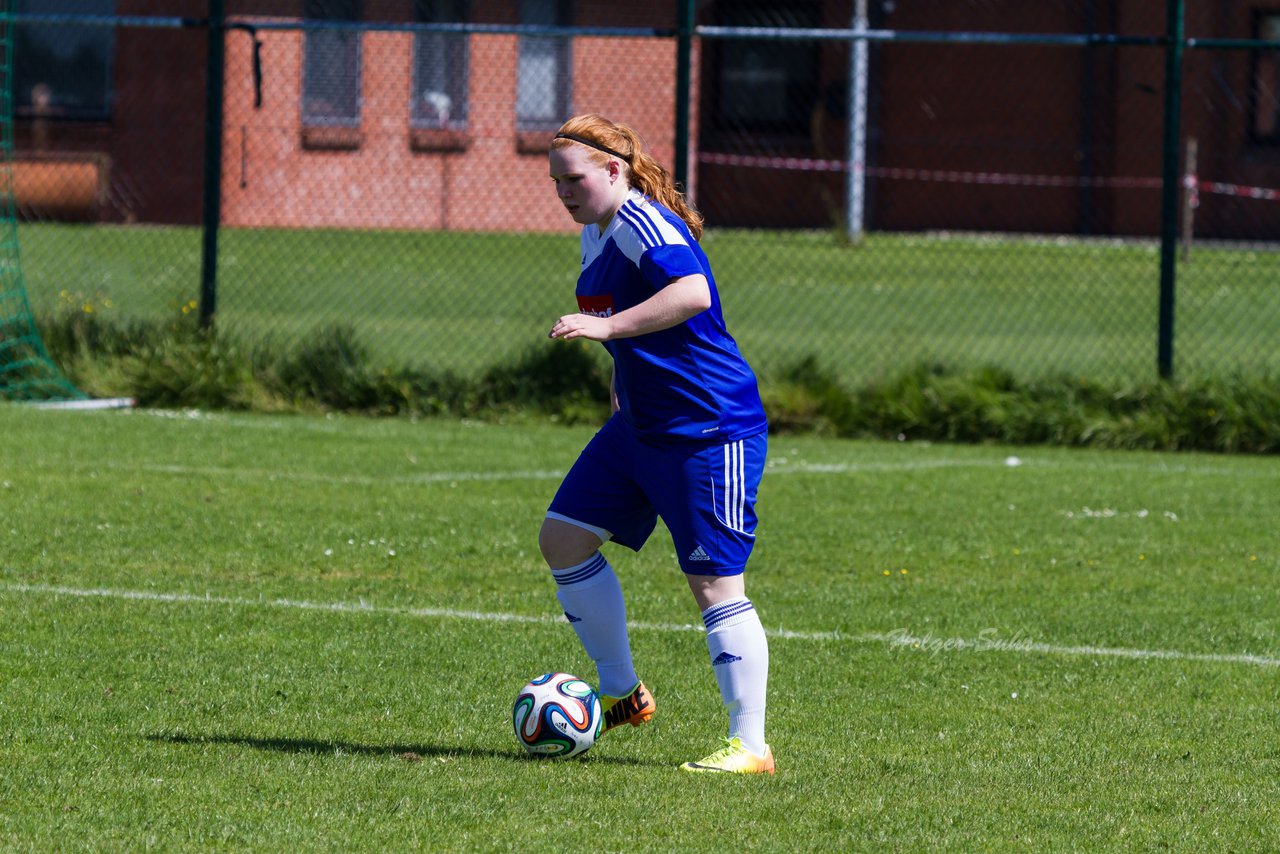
635,708
733,758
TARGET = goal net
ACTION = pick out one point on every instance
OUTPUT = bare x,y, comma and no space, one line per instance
26,371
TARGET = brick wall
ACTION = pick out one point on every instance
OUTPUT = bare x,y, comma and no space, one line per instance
478,180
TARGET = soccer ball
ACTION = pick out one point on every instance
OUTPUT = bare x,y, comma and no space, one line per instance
556,714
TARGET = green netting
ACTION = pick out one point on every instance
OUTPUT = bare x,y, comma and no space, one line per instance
26,371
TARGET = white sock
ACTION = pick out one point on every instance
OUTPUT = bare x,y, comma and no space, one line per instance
593,605
740,658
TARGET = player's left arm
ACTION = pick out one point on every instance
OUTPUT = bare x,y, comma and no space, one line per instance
680,300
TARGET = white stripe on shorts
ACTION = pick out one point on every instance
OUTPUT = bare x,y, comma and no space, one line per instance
735,493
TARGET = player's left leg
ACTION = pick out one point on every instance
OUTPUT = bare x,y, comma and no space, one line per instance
739,653
707,498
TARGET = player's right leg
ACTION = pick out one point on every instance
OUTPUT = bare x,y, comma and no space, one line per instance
635,707
589,593
588,590
598,502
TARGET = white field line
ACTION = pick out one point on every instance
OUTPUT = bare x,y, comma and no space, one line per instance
988,641
277,475
782,466
347,479
447,477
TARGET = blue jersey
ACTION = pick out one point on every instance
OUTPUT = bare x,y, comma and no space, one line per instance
688,383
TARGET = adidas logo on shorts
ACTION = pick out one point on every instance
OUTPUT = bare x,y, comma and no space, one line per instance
699,554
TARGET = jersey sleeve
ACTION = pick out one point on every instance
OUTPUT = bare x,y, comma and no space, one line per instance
661,265
656,246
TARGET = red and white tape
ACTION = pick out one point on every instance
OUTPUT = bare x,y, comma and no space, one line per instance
806,164
1238,190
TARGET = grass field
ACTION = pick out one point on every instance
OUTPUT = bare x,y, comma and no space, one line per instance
247,632
463,301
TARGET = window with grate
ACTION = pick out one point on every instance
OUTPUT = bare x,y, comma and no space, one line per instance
331,66
544,77
63,71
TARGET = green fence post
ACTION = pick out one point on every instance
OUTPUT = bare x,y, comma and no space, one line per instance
1171,185
684,78
212,207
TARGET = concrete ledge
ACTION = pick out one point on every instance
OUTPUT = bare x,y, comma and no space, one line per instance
61,186
438,139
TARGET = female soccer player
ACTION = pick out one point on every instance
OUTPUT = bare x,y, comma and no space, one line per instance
686,440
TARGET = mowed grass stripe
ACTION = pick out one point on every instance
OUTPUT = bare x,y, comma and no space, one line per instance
1133,707
927,644
1041,307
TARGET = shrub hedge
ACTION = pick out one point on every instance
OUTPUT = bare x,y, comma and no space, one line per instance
177,365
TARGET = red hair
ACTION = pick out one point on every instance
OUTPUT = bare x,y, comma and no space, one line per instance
644,173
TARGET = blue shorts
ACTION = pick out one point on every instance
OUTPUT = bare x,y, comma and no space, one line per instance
706,495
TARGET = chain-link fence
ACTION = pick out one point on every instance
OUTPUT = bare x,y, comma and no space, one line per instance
885,182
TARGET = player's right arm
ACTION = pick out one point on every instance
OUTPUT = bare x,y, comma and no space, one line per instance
680,300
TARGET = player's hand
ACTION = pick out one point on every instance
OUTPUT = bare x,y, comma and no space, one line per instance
581,326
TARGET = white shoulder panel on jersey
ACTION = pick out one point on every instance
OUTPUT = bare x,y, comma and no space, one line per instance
590,244
642,227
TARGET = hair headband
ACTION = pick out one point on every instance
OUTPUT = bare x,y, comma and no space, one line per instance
592,144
